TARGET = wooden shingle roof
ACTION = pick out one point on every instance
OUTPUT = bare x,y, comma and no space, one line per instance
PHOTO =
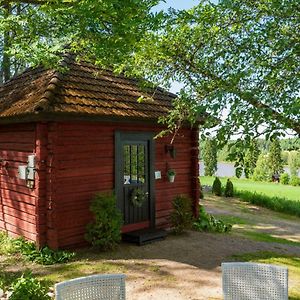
83,90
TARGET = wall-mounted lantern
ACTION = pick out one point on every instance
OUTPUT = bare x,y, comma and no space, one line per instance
171,150
27,172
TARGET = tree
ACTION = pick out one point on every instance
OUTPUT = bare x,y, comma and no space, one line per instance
262,171
35,32
251,158
210,157
239,56
294,162
274,157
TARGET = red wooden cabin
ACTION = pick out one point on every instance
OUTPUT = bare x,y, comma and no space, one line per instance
77,133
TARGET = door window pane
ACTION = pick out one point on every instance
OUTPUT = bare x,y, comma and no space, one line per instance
134,164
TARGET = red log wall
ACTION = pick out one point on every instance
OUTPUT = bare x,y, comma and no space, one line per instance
18,215
83,164
75,160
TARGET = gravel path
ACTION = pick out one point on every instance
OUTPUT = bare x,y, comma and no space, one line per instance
188,267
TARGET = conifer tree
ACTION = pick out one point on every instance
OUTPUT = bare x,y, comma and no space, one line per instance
275,159
251,158
210,157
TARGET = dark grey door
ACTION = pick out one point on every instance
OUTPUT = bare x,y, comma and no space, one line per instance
134,182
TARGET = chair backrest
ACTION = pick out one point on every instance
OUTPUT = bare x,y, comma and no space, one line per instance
248,281
95,287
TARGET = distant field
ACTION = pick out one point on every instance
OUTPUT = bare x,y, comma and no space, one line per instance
269,189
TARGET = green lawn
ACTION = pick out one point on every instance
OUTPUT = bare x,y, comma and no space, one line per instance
268,188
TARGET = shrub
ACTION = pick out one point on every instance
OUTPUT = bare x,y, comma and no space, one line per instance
43,256
229,189
284,178
217,187
274,203
182,215
105,231
207,222
295,180
28,288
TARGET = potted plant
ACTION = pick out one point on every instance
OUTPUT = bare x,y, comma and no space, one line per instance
171,175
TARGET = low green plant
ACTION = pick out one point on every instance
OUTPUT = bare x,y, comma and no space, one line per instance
207,222
228,189
182,214
274,203
217,187
44,255
295,180
105,231
171,172
28,288
6,244
284,178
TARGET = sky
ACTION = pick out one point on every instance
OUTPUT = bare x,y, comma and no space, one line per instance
177,4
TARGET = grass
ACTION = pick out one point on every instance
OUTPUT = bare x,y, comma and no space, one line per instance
234,220
290,261
264,194
264,237
266,188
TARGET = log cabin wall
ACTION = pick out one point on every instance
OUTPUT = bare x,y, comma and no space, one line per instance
18,203
81,163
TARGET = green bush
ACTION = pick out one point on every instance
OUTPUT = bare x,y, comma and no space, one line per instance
207,222
105,231
182,214
284,178
229,189
274,203
43,256
28,288
217,187
295,180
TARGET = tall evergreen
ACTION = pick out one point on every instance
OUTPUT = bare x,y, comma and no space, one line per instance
275,159
210,157
251,158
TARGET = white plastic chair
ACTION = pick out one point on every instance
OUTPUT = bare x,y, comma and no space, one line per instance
251,281
95,287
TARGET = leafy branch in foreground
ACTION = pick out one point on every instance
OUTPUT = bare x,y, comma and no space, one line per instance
237,60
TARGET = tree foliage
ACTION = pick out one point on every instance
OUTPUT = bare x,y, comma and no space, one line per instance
251,158
262,171
37,32
274,157
294,162
210,157
238,61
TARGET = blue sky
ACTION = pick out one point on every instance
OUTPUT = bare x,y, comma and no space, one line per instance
178,4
